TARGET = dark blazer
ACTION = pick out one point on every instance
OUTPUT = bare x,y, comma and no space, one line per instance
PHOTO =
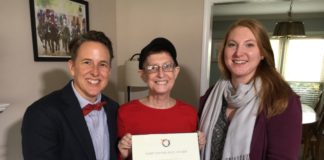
54,128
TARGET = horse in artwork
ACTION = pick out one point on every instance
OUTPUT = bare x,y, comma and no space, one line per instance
48,30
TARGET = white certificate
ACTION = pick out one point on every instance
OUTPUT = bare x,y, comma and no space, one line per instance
179,146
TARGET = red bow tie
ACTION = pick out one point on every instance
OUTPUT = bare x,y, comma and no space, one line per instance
90,107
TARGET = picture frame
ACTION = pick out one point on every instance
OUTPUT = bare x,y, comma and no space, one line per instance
54,23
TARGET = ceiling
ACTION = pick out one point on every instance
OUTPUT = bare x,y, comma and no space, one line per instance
232,9
269,12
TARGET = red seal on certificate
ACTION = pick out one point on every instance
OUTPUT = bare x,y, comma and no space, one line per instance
165,142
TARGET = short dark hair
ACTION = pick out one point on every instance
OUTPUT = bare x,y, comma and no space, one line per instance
155,46
95,36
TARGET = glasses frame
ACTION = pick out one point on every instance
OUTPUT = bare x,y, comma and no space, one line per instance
166,67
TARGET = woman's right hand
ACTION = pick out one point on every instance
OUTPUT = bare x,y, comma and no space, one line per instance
125,145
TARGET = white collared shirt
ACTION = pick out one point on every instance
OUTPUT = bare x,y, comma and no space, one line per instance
98,127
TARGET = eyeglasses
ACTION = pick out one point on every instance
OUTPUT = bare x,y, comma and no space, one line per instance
167,67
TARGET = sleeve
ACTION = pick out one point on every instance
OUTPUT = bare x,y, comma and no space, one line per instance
120,124
203,100
284,132
194,119
39,136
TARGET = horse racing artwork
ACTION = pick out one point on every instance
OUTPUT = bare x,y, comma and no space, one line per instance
54,24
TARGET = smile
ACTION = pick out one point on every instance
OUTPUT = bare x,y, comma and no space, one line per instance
239,61
92,81
161,82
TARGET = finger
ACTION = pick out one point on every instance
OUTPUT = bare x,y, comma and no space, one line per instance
128,137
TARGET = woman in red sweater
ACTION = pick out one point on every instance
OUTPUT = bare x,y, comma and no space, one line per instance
158,112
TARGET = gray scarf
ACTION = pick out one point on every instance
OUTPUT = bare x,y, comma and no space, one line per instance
239,135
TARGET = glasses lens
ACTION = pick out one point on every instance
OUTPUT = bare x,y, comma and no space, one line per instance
168,67
150,68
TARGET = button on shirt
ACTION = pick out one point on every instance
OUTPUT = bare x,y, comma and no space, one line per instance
98,127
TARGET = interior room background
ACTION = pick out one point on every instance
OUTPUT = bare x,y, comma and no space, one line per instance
130,25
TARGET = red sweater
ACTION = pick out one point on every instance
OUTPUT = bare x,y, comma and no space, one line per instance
136,118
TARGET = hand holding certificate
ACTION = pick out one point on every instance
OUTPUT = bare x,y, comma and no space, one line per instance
180,146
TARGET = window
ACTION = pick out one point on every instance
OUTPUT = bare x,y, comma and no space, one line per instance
276,48
302,65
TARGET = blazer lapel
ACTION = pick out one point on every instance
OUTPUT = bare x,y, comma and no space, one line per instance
77,122
110,118
112,125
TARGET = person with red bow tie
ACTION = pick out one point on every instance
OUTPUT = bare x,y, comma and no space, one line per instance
76,122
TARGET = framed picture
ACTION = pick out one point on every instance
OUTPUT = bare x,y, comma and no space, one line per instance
54,24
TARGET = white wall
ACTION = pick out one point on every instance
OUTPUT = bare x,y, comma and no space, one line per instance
129,24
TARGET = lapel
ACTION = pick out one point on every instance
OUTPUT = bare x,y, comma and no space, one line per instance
108,112
72,112
111,113
109,116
